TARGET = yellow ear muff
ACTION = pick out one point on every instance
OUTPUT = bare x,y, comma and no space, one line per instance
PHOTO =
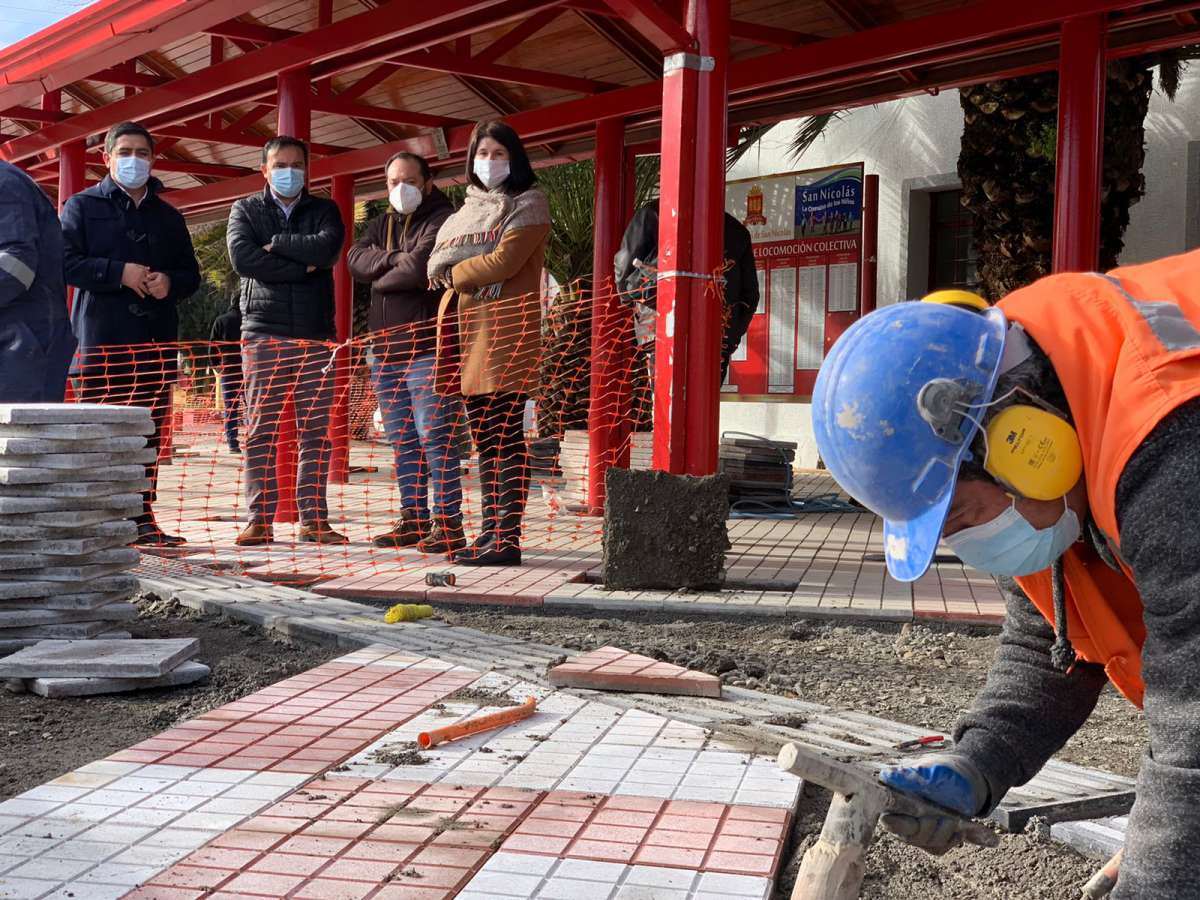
1034,452
954,297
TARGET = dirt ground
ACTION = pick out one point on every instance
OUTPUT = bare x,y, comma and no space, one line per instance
41,739
917,674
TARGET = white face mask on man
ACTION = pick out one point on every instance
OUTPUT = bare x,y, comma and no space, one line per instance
405,198
1010,545
491,172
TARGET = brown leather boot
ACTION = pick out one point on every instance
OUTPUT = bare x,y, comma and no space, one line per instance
320,533
445,537
409,531
255,534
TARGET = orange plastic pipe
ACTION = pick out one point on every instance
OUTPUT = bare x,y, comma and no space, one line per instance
427,739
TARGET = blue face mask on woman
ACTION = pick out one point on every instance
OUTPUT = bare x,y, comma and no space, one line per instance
287,182
1009,545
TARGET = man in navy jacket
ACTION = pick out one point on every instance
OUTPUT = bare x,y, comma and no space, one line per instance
36,343
129,253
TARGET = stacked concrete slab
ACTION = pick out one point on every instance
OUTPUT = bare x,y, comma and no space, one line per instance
71,482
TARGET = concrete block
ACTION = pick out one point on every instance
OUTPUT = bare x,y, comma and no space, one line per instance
24,618
26,590
72,519
63,573
664,531
10,474
64,602
78,432
614,669
19,561
68,546
99,659
11,645
76,460
20,505
76,488
122,584
27,445
67,631
71,414
184,673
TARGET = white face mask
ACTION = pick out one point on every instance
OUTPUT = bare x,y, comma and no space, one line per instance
405,198
492,172
1009,545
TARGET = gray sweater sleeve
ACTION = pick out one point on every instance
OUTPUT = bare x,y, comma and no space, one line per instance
1027,710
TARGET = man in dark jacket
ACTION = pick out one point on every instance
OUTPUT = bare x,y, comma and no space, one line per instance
226,336
637,283
36,343
284,243
392,256
129,253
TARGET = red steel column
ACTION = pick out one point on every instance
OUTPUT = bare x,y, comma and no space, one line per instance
608,430
691,206
343,313
870,246
629,187
1081,83
295,119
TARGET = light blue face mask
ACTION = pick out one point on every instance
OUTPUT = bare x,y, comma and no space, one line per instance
287,182
1009,545
132,171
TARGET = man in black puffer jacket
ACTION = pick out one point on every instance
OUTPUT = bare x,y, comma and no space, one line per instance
284,243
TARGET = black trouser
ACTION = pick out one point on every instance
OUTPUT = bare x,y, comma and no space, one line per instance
497,427
231,398
1158,512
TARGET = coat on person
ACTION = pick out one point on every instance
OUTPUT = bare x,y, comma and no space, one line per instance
225,336
489,256
640,242
281,297
36,343
393,257
103,229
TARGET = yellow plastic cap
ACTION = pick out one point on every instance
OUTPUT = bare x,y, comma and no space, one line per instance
955,297
1034,452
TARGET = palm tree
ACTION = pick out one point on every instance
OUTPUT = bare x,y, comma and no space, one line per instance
1007,161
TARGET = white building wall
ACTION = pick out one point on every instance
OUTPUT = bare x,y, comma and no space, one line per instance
913,145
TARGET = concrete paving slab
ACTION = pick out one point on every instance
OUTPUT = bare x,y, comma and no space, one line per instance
26,590
20,561
99,659
10,474
24,618
69,546
72,519
72,631
76,460
1097,838
64,602
64,573
20,505
27,445
11,645
78,432
71,414
185,673
76,488
614,669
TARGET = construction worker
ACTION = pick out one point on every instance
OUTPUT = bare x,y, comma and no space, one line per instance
1050,440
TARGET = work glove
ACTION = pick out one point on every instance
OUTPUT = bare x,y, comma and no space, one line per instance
948,780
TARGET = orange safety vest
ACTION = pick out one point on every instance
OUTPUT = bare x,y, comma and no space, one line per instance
1126,348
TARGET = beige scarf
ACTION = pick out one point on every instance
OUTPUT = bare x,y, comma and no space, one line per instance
477,228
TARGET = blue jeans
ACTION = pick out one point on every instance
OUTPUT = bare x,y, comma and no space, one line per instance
419,423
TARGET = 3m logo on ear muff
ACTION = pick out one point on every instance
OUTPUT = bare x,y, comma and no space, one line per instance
1033,452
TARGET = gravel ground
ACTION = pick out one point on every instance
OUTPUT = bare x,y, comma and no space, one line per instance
917,674
41,739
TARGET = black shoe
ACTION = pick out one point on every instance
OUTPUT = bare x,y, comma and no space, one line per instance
487,534
150,535
504,552
234,448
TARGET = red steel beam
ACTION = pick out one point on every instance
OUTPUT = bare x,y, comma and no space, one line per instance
236,29
127,76
373,33
30,114
372,79
631,45
770,35
453,64
207,135
337,106
517,35
654,23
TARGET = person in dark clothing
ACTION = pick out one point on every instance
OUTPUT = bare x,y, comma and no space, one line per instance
36,343
226,338
637,283
129,253
392,256
284,242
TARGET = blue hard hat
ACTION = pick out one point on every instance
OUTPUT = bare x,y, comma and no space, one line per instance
888,412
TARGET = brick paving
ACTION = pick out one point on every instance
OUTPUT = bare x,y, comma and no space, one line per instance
818,564
613,669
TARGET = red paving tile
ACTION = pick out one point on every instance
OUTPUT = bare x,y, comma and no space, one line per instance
614,669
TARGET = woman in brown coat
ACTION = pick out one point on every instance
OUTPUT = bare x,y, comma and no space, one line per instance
489,257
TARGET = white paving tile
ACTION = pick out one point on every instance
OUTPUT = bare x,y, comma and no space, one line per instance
24,888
